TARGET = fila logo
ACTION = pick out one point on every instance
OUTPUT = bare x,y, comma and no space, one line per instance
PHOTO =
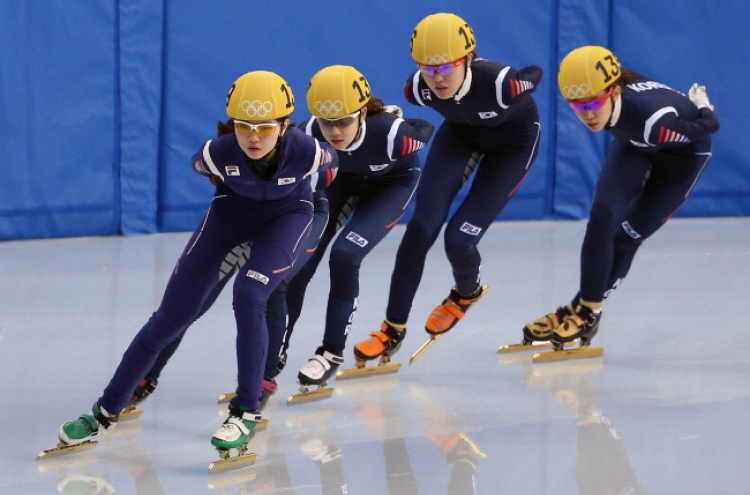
487,115
356,239
630,230
470,229
258,276
426,94
378,168
232,170
285,181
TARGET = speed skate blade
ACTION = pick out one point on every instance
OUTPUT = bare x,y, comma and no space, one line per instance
422,349
533,346
60,450
224,398
130,413
319,394
232,462
579,352
378,369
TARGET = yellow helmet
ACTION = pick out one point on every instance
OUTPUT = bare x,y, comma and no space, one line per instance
337,91
586,71
260,95
441,38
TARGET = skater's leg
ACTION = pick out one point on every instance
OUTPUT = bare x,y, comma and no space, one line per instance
276,319
669,185
497,178
448,165
232,262
192,280
623,174
379,208
284,310
274,252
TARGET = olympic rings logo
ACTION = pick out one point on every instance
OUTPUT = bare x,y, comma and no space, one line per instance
576,91
256,108
329,108
437,59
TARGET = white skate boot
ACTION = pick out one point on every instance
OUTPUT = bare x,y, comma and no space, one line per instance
316,371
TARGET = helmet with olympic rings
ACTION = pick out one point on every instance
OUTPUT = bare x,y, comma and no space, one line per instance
441,38
587,71
337,91
260,95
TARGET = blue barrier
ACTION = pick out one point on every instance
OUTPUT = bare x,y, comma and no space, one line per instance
103,104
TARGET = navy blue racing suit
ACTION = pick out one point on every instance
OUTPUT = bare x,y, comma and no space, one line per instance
272,209
490,129
376,179
662,143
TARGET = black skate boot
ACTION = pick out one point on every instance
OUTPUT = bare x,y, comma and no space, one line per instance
142,391
541,328
282,363
269,388
582,324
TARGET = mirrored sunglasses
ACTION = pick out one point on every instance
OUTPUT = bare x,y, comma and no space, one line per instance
263,130
443,70
340,123
593,104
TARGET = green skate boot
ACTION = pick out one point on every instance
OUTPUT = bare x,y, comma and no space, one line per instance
232,438
88,427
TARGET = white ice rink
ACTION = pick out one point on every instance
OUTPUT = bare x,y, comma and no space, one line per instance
666,410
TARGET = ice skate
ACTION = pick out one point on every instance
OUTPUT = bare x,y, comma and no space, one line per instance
81,434
582,325
384,344
141,393
445,316
317,371
536,334
232,438
269,388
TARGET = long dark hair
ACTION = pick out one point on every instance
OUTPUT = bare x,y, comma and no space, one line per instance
374,106
627,77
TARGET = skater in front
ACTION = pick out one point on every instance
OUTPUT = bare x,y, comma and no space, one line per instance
263,196
662,143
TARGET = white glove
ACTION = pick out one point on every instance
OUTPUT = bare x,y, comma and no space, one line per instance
697,95
394,109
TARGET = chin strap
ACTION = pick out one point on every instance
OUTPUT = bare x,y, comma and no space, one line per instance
616,109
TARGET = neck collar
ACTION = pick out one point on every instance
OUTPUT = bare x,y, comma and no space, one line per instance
616,109
465,86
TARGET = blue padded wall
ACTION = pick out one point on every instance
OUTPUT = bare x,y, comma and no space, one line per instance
99,123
